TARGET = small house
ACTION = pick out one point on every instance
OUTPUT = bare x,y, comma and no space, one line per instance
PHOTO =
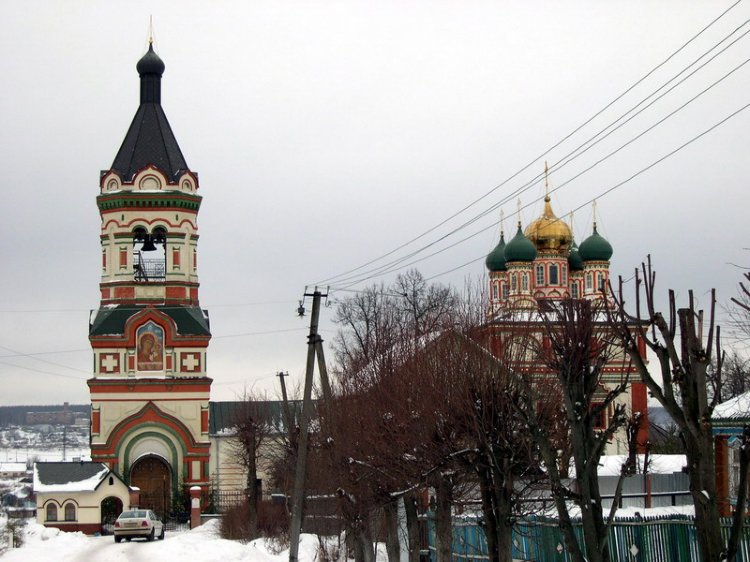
79,496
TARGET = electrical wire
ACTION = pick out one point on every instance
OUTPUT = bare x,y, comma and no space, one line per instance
330,280
389,267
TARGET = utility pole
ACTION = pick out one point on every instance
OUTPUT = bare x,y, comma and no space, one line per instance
287,411
298,494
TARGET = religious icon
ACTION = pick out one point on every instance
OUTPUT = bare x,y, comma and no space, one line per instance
150,347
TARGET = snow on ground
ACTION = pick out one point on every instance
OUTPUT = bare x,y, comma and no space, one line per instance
202,544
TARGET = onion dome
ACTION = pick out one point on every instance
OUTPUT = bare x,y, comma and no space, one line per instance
520,248
150,63
496,258
549,232
595,248
575,261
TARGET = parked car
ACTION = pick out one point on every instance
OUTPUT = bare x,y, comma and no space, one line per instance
138,523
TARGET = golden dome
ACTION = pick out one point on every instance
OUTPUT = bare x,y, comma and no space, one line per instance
549,232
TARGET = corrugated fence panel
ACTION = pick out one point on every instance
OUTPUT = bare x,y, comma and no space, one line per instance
539,539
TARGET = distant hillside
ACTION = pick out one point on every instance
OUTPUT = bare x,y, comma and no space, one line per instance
17,415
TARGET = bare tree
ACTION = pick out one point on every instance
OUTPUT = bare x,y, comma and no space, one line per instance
575,352
740,314
252,428
687,380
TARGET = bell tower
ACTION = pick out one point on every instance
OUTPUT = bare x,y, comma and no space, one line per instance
150,390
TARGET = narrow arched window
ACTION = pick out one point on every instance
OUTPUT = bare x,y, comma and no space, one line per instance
574,290
539,275
525,282
495,291
51,512
589,282
513,283
505,290
554,278
70,512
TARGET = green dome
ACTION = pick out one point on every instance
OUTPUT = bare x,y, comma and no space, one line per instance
520,248
496,258
575,261
595,248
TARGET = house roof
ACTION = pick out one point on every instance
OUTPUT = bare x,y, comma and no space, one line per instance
84,476
734,409
190,320
224,415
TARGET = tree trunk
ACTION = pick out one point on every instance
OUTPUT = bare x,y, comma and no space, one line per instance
488,511
252,490
364,538
392,542
504,512
443,520
701,470
412,526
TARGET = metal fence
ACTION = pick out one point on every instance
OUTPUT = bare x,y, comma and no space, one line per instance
540,539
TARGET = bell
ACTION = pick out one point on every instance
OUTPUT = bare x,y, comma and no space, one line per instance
148,245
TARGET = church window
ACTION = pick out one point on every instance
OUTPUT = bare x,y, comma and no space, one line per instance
505,290
564,274
574,290
51,512
70,512
495,291
539,275
513,283
589,282
525,282
554,274
149,254
600,281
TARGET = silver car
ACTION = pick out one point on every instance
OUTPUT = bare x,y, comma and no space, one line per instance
138,523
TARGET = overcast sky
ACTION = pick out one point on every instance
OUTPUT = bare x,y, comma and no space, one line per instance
326,134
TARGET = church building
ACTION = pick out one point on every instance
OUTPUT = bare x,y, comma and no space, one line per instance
150,390
543,262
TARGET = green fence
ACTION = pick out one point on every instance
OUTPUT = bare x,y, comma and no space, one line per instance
539,539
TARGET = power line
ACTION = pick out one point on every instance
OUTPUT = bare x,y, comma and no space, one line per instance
617,185
329,280
395,264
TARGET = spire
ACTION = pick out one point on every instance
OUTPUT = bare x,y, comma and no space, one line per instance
150,140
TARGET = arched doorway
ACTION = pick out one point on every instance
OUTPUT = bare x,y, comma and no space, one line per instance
110,508
154,478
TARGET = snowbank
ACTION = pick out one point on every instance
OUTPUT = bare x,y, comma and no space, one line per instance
200,544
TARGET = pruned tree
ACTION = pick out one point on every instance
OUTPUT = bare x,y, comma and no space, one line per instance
575,352
687,380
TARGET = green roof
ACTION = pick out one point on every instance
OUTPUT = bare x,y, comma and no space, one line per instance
520,248
190,320
222,416
595,248
496,259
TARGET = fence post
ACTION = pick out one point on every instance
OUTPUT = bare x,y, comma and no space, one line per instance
195,506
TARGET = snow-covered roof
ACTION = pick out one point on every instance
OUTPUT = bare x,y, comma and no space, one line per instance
12,467
50,477
611,465
733,409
